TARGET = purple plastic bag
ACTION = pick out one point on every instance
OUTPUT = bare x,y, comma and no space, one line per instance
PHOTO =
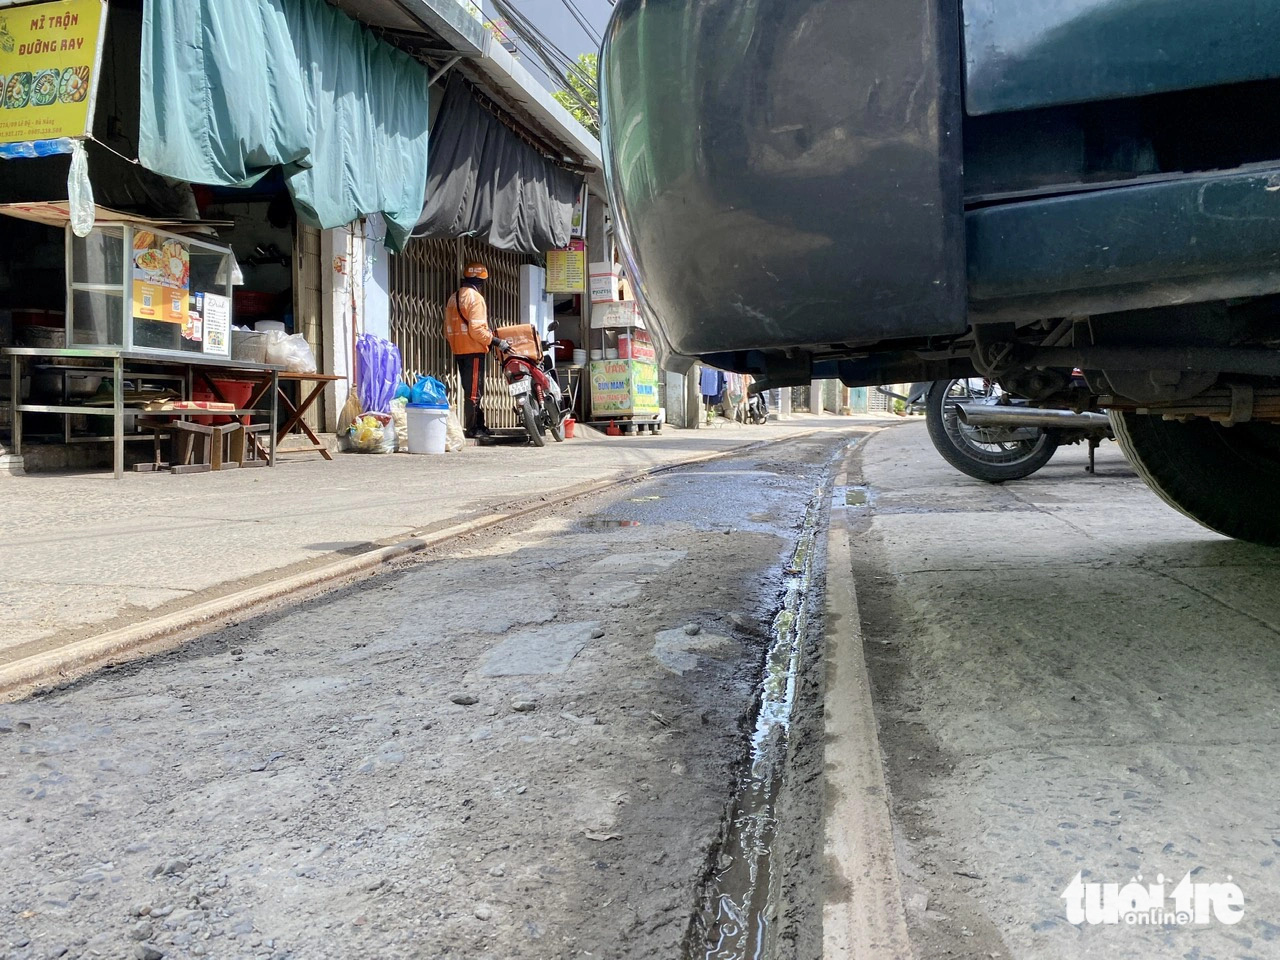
378,362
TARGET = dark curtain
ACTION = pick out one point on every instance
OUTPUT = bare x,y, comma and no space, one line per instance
484,181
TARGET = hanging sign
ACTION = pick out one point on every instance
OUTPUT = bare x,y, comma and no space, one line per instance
161,278
578,226
567,269
49,58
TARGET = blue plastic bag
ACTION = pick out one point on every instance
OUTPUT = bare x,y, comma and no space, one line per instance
402,391
429,391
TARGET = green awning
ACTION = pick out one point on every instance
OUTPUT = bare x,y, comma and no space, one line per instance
234,88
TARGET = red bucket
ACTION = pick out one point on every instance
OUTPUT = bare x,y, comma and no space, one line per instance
569,424
239,392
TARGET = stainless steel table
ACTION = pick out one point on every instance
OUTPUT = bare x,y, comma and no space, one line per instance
116,363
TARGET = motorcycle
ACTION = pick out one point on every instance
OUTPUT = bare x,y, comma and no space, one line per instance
757,409
986,433
529,369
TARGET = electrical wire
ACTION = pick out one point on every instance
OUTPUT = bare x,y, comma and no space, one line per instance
570,72
542,46
582,21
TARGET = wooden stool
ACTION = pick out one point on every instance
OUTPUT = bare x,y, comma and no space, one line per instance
221,445
158,462
191,443
245,445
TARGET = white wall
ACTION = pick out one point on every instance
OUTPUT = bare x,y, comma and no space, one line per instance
356,298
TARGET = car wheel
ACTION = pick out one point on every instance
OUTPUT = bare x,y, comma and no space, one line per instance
531,425
1225,478
972,450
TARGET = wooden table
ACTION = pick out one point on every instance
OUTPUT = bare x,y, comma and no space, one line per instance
293,415
117,363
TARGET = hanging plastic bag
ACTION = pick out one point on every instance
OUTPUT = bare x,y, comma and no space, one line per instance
80,192
379,372
402,391
429,390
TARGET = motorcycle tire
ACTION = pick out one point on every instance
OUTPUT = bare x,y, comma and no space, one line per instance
531,425
1224,478
554,421
952,439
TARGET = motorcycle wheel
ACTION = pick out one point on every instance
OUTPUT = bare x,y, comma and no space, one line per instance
531,425
554,421
965,447
1224,478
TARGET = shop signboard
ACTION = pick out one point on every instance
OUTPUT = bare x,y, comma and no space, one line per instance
49,58
624,388
161,279
567,269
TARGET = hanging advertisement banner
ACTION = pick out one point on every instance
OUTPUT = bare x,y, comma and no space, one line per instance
161,278
578,226
49,59
567,269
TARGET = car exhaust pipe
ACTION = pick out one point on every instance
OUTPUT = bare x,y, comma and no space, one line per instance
992,415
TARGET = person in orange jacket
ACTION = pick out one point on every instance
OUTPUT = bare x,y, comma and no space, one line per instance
466,327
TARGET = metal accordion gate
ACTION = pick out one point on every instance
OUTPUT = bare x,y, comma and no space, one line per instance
423,278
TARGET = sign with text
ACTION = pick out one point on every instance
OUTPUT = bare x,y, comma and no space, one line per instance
567,269
217,324
623,388
161,278
49,55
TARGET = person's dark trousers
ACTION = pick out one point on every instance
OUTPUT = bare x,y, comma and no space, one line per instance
471,371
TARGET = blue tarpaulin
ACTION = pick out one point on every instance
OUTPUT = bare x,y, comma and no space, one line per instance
234,88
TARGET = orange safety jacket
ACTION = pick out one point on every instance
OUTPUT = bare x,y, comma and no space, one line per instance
466,327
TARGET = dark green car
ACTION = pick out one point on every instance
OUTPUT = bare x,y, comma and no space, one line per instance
906,190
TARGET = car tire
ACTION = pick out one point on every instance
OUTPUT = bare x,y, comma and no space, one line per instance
948,439
1224,478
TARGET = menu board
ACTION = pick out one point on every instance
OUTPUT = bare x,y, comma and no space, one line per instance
49,54
161,278
217,324
567,269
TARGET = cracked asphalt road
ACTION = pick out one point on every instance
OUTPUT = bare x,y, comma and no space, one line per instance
520,746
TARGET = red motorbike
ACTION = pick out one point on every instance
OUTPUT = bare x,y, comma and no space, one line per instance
530,374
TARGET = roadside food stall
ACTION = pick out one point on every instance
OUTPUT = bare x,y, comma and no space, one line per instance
147,334
624,370
118,292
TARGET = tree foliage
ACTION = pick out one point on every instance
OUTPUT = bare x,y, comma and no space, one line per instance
585,106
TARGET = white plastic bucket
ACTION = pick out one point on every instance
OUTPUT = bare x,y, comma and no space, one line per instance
428,427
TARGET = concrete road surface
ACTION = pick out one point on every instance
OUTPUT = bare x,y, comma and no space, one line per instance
1075,686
